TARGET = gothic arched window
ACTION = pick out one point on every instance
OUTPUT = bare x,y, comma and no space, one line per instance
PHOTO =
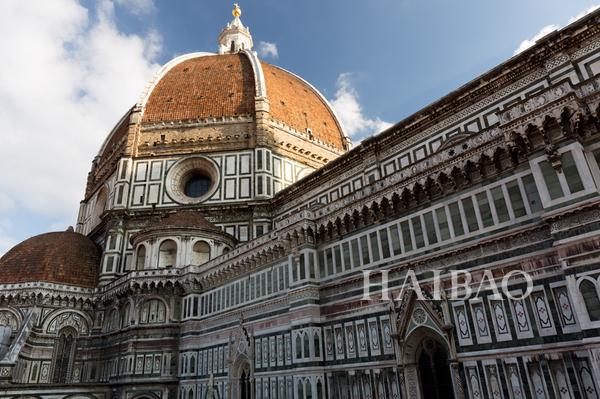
306,346
317,343
64,355
152,311
590,298
298,347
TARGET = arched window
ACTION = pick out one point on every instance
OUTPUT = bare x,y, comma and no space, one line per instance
140,261
191,394
300,390
320,390
125,316
167,254
100,205
113,321
225,250
590,298
152,311
200,253
64,355
298,347
317,343
306,346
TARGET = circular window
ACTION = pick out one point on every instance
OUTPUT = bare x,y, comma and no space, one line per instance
197,185
192,180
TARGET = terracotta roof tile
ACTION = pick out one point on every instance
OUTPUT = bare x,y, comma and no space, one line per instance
59,257
295,103
223,86
203,87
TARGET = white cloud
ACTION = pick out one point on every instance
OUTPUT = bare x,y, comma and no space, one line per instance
525,44
268,50
65,80
347,106
584,13
6,241
137,7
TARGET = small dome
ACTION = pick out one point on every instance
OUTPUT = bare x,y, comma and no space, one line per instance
58,257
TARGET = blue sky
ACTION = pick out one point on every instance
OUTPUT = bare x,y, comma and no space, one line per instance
74,66
402,54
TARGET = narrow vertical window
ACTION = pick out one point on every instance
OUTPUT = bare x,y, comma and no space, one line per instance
395,235
472,224
329,255
418,230
533,197
571,174
406,236
374,246
516,199
346,252
442,219
364,248
338,259
322,267
385,243
484,209
500,204
551,179
430,228
590,298
457,223
355,253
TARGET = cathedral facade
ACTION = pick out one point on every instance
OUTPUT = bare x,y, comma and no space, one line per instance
221,246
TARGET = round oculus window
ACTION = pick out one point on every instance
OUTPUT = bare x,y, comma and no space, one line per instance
197,185
192,180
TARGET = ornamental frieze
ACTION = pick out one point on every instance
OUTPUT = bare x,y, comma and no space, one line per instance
575,220
563,91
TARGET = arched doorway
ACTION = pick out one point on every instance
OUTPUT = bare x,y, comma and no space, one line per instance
240,379
245,388
426,360
434,370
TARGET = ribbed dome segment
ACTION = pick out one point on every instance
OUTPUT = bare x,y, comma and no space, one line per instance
203,87
216,86
59,257
296,103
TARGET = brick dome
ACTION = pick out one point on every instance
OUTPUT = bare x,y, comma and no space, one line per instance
203,85
58,257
